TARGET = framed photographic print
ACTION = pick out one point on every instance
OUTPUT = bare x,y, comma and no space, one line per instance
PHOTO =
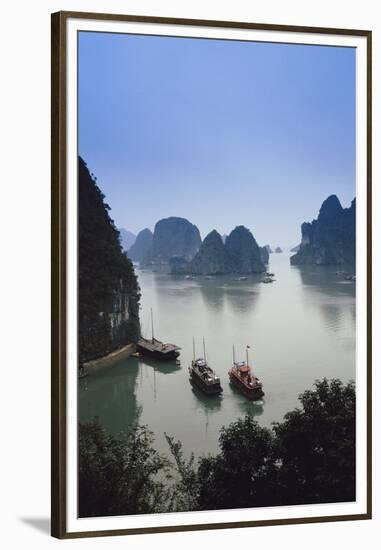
211,303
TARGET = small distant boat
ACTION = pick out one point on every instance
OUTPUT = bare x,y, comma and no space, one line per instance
135,354
242,378
156,349
241,279
203,375
268,274
268,280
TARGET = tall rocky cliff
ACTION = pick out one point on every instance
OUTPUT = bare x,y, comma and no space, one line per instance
240,254
244,251
212,258
141,249
265,254
127,238
331,238
174,238
108,287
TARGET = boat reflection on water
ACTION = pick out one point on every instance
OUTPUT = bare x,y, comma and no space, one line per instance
251,408
211,403
208,404
168,367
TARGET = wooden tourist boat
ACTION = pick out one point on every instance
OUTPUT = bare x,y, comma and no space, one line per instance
203,376
242,378
156,349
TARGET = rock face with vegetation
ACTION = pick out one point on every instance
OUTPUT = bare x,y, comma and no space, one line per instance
239,254
265,255
212,258
244,251
108,288
179,266
141,248
127,238
331,238
174,238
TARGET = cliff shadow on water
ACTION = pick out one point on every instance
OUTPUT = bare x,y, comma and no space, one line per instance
327,279
109,393
243,298
331,296
225,290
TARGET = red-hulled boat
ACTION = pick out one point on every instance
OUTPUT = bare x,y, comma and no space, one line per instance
242,378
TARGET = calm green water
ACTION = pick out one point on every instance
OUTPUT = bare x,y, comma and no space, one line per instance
300,328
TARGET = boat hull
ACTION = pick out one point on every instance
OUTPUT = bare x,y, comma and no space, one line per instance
157,354
209,389
254,394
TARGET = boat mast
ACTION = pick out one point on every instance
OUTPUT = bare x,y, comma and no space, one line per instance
194,350
247,355
233,355
154,384
152,326
203,343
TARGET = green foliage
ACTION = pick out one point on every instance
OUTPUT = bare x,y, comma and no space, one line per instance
119,475
185,490
307,458
242,474
316,446
101,261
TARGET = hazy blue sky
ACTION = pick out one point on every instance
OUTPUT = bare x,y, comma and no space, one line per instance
222,133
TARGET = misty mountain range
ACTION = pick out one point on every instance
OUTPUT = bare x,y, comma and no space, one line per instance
176,242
